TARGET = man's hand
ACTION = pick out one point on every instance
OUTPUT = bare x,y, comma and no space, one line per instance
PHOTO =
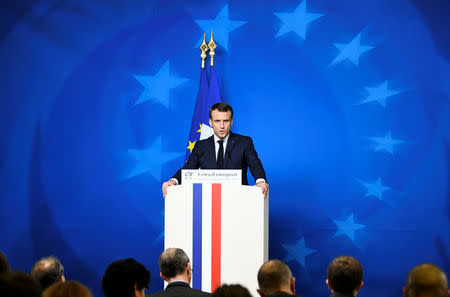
167,184
264,186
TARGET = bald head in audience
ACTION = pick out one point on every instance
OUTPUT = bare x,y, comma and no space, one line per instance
274,277
426,280
47,271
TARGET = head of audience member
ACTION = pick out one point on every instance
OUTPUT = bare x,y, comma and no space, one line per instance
234,290
4,265
174,265
275,276
344,275
48,271
426,280
18,284
125,278
67,289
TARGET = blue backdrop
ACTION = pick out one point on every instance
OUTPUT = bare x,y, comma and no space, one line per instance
347,103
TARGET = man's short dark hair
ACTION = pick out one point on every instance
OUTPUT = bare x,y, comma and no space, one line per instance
273,275
344,274
222,107
173,262
121,276
235,290
18,284
4,265
47,271
426,280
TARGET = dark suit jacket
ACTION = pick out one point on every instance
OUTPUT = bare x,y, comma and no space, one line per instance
179,289
281,294
239,154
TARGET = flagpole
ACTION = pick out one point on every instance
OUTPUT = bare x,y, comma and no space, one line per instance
212,45
203,48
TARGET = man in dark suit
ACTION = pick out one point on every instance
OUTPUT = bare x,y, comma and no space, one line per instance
275,280
344,277
176,271
224,150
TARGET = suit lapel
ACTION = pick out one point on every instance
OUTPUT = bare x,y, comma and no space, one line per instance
211,153
228,151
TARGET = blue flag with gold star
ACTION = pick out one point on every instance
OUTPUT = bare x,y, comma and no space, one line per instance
199,125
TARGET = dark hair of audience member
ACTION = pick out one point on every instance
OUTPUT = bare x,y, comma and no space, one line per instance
18,284
4,265
67,289
173,262
121,276
234,290
47,271
344,274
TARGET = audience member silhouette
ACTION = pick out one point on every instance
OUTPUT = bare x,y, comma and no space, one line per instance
234,290
67,289
125,278
344,277
275,280
426,280
175,269
48,271
18,284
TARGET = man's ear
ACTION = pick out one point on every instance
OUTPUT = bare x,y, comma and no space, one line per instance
360,286
210,122
260,292
292,285
63,278
162,276
188,270
328,285
405,292
231,123
136,290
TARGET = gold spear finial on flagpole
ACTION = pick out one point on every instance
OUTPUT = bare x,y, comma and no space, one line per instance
203,48
212,45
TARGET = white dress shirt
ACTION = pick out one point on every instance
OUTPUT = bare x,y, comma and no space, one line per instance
217,145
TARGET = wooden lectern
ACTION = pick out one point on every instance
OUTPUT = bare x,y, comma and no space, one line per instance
221,225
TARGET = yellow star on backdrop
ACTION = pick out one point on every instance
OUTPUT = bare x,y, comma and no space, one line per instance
191,146
200,130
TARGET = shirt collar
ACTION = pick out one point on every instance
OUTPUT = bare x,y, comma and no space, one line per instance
224,140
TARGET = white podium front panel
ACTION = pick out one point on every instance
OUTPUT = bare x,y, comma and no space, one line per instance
222,228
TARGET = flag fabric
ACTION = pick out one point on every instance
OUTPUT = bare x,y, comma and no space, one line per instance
208,94
214,90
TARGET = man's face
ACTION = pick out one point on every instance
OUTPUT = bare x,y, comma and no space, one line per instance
221,123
